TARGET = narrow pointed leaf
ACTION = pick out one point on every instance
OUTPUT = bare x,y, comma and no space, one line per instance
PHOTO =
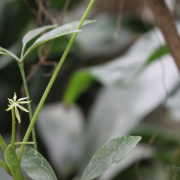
13,163
57,32
8,53
163,50
109,155
36,166
2,144
31,34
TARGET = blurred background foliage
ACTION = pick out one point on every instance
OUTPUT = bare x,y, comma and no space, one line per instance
118,79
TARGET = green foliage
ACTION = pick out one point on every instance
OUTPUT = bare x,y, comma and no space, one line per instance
163,50
57,32
13,163
36,166
79,83
8,53
109,155
2,144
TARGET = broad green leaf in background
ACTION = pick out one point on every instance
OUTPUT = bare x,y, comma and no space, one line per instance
123,70
76,87
33,33
57,32
62,135
117,111
36,166
13,163
109,155
8,53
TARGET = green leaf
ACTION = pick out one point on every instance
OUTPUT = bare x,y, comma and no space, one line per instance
55,33
79,83
163,50
8,53
13,163
31,34
36,166
109,155
2,144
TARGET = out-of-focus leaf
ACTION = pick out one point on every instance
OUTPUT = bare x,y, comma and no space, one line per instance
6,59
158,53
117,111
33,33
97,40
79,83
13,163
122,71
8,53
57,32
109,155
36,166
61,130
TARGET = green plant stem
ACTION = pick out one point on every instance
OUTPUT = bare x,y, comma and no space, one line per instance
2,144
21,66
13,128
24,143
5,167
52,81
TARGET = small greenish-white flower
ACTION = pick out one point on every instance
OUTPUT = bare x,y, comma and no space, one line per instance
14,103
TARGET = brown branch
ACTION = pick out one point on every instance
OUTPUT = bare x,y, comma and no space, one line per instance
64,10
43,10
166,24
30,8
118,22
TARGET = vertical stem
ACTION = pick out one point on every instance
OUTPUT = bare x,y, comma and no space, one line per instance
21,66
13,128
52,81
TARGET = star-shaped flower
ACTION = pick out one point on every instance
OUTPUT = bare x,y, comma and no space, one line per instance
14,103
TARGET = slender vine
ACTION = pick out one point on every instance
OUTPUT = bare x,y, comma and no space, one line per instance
21,67
28,132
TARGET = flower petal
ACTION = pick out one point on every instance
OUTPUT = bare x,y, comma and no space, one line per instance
15,97
10,100
21,99
24,102
17,114
9,108
24,109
